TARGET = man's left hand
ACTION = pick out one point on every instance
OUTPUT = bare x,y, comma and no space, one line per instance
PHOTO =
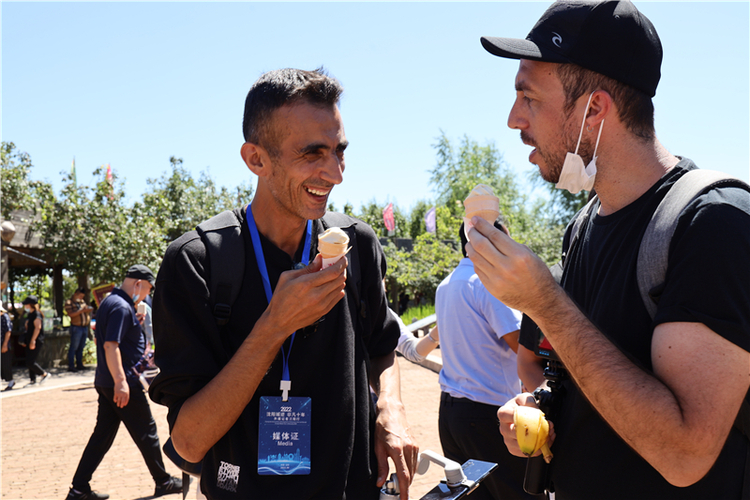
393,439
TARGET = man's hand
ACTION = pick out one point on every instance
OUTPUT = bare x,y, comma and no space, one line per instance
122,393
305,295
508,429
32,345
4,348
392,435
510,271
393,439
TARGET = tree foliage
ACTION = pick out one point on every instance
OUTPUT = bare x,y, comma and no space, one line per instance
95,234
178,203
458,171
562,205
18,191
419,272
372,214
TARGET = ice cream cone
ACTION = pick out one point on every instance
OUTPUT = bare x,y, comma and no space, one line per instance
483,203
485,206
332,245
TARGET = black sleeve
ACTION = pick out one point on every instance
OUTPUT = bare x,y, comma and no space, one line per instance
188,350
528,334
381,328
708,275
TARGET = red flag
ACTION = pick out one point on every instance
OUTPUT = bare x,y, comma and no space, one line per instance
110,181
390,223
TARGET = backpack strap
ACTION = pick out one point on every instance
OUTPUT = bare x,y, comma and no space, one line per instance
335,219
654,250
222,235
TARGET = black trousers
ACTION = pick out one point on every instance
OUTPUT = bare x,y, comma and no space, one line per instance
31,364
139,422
6,365
470,430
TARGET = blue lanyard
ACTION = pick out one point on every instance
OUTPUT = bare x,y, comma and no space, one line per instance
260,259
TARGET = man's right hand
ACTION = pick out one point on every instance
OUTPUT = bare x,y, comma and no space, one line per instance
122,393
305,295
508,429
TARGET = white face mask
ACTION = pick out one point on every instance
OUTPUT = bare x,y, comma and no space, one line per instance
574,177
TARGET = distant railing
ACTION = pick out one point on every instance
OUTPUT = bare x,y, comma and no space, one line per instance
418,327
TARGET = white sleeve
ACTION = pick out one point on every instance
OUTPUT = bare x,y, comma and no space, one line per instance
407,342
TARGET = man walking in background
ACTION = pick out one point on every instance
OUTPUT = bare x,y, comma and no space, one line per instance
120,343
80,317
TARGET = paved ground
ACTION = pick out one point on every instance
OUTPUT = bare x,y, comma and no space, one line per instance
45,428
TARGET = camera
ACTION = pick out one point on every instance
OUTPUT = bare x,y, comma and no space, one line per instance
538,473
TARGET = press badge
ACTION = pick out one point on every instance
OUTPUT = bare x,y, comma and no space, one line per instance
284,436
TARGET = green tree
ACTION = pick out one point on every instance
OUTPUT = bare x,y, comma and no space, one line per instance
539,225
18,191
419,272
94,234
458,171
417,224
372,214
178,203
562,204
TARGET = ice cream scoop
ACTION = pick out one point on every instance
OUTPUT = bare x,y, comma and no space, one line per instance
483,203
332,245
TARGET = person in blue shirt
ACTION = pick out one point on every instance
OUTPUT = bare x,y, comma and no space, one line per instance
479,340
120,343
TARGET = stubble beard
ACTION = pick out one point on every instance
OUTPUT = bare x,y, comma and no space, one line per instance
554,157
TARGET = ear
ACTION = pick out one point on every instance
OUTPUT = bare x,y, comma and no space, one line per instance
255,157
601,104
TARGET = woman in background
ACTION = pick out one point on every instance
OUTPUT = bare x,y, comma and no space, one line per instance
34,338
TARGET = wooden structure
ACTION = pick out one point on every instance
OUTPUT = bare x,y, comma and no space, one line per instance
22,247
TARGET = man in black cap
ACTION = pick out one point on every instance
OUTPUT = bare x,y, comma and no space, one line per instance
79,313
651,403
119,346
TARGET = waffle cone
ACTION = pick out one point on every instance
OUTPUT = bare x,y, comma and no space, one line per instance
488,215
331,250
484,206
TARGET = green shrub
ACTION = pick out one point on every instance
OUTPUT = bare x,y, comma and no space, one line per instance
417,312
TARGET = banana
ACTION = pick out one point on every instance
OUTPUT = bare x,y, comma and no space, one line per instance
532,430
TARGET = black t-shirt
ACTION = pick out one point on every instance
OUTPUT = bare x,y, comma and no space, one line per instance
32,316
328,363
708,281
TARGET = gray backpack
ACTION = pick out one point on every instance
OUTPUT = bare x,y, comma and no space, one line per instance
654,249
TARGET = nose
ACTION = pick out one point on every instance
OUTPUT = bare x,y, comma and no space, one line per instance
333,170
516,120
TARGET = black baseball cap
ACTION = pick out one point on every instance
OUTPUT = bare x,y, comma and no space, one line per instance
141,272
611,37
31,299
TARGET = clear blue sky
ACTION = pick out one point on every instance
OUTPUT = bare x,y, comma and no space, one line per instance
132,84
